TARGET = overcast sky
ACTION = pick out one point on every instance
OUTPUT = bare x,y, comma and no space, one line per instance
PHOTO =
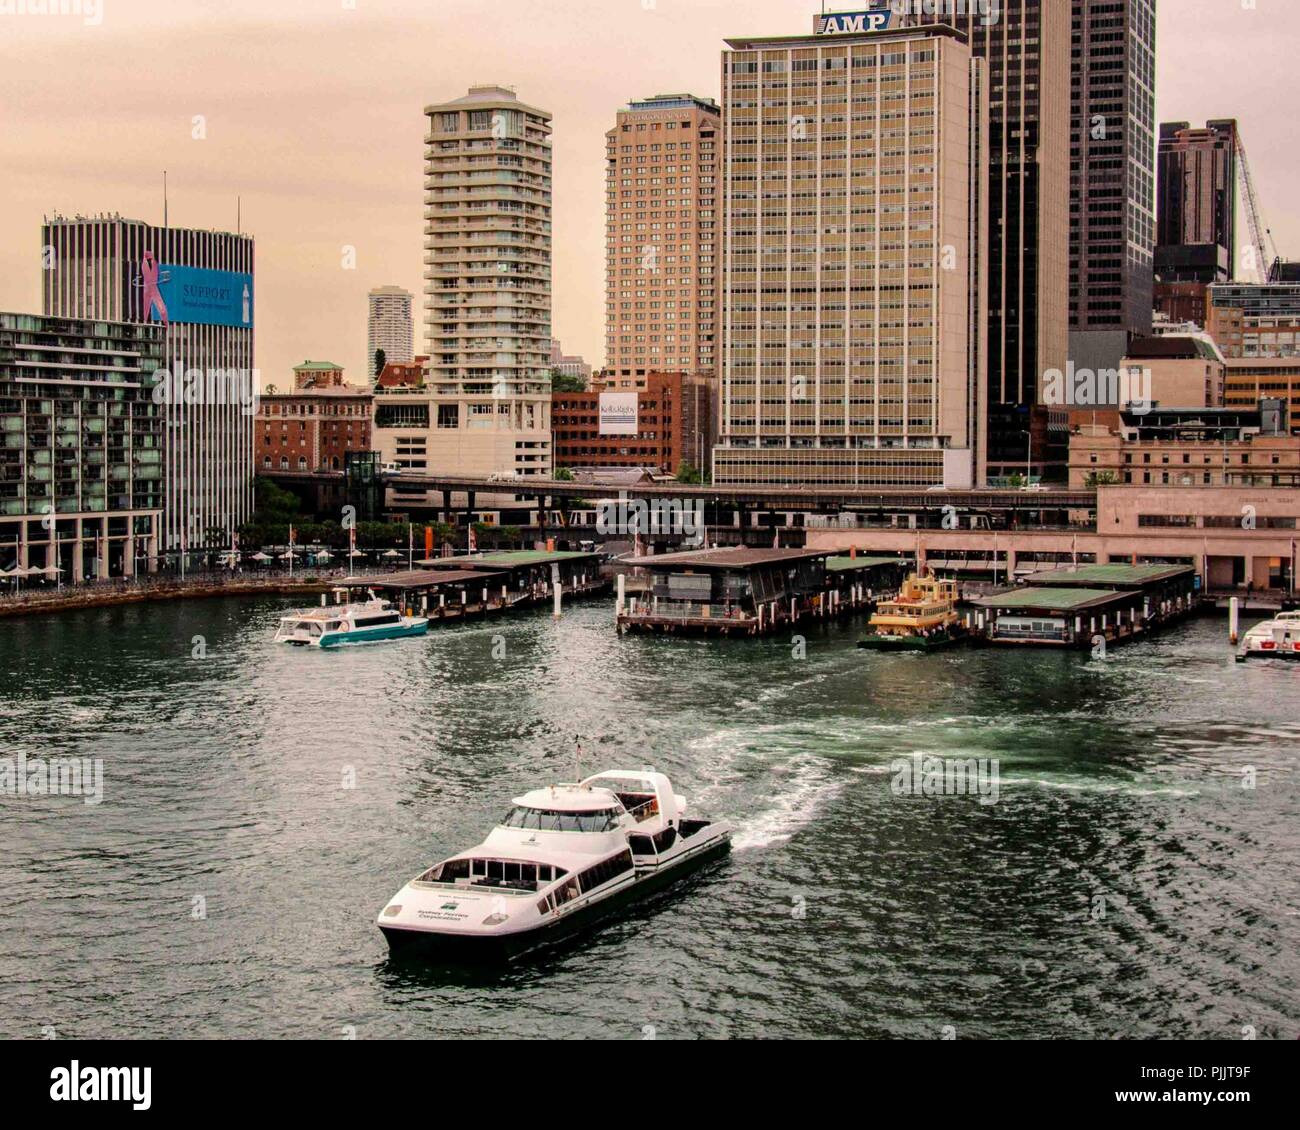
312,111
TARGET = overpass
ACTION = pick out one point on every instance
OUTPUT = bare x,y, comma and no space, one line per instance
554,493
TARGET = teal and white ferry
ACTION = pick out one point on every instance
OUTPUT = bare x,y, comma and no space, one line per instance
334,626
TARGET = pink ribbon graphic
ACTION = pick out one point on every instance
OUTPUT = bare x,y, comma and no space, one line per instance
152,295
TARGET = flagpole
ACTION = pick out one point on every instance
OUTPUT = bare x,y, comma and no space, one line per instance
410,545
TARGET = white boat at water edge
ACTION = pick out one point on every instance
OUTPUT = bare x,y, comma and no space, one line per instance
562,858
1278,638
349,623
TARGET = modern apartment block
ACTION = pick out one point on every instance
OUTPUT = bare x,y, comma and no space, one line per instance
484,407
662,227
198,285
1026,45
81,447
390,326
855,239
487,309
1112,178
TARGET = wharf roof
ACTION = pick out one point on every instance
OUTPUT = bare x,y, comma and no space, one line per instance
848,564
508,559
727,559
1052,599
417,579
1117,576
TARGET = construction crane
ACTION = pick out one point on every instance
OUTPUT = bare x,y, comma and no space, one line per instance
1267,262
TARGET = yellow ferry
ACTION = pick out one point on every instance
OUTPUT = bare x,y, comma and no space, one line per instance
922,617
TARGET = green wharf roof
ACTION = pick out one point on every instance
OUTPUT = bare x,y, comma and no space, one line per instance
1051,599
847,564
1122,576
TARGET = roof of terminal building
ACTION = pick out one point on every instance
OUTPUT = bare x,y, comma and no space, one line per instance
1120,576
847,564
415,579
1051,599
508,559
727,558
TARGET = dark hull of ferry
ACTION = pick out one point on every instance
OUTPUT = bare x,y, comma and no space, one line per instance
911,643
458,948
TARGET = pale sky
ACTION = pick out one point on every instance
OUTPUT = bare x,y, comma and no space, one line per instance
313,116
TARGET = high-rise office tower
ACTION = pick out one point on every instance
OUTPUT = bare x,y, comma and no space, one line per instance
199,286
1196,214
1026,44
389,326
854,236
661,237
1112,178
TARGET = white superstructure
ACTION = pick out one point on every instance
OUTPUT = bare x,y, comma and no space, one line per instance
560,857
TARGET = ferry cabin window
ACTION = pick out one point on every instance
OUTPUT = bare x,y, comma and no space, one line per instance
376,621
542,820
603,872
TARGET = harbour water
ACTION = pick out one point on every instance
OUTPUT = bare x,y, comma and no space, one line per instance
261,803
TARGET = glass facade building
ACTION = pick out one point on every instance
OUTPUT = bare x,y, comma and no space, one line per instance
81,446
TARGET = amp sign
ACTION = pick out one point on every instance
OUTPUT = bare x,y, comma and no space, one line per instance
842,23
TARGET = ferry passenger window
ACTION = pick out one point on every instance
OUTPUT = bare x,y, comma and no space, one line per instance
495,869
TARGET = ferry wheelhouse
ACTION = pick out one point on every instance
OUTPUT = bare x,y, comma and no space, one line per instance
562,858
923,616
1278,638
349,623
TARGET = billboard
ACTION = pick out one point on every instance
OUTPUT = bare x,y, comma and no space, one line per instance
618,413
199,296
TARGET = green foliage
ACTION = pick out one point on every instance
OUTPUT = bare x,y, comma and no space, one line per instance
564,475
1101,479
562,382
687,473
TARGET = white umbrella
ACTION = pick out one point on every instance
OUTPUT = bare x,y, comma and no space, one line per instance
49,570
324,555
262,557
356,553
288,556
392,553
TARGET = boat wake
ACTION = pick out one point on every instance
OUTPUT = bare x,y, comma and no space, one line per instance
799,789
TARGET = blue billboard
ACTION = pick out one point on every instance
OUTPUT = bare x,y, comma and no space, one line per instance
196,295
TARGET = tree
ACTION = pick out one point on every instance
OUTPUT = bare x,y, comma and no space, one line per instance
381,359
564,475
1101,479
1015,482
686,473
564,382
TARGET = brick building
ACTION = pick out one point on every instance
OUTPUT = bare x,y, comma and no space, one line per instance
315,426
666,423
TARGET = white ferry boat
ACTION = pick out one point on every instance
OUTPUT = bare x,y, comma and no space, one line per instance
363,622
562,858
1278,638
